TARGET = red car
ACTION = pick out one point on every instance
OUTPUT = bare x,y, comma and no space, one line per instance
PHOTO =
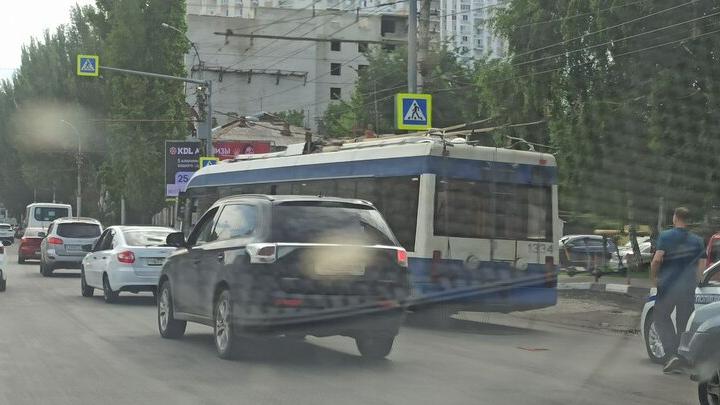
29,248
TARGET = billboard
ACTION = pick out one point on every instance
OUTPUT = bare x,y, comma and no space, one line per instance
182,159
229,149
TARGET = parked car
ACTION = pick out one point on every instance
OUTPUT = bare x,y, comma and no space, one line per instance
588,252
125,258
646,253
287,265
3,265
67,242
6,233
707,292
700,350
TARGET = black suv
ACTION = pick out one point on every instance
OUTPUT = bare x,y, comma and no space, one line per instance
286,265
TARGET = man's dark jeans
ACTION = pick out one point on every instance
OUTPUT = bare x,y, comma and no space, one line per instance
682,300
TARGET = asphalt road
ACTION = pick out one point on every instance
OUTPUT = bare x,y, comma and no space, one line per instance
57,347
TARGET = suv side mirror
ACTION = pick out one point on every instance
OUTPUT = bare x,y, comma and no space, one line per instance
176,239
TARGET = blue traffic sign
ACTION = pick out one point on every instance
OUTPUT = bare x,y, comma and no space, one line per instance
208,161
88,65
413,111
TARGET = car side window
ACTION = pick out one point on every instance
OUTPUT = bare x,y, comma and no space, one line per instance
202,231
236,221
108,242
712,276
100,241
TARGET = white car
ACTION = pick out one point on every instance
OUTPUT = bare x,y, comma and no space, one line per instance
7,233
707,292
3,265
125,258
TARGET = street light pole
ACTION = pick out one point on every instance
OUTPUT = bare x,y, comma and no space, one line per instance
78,201
192,44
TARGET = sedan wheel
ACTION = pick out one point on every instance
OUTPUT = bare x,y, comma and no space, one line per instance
709,391
653,345
85,289
374,347
169,327
224,336
109,295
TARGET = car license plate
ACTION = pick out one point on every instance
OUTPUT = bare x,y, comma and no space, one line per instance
337,269
74,248
155,261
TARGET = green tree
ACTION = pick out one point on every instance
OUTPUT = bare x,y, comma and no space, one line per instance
147,111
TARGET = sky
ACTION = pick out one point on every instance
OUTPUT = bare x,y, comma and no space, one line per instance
26,19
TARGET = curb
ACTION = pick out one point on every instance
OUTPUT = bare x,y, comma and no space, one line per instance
634,291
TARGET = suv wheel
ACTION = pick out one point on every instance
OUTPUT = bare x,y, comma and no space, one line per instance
653,345
85,289
170,328
3,285
109,295
374,347
224,335
45,270
21,260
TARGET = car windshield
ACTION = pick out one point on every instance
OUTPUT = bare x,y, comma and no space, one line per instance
78,230
304,222
146,237
46,214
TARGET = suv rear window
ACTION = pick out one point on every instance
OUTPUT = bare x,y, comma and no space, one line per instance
307,222
5,227
78,230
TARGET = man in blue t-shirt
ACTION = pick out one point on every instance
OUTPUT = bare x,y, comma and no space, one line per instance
676,270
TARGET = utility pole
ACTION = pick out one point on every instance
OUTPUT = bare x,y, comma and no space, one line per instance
412,47
424,46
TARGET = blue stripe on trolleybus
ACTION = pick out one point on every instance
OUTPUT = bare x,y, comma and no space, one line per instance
479,170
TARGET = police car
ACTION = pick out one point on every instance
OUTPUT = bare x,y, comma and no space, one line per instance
3,265
708,291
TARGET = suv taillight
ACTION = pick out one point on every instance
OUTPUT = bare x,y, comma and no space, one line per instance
126,256
402,257
54,241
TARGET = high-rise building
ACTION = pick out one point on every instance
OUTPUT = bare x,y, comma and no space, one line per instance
465,24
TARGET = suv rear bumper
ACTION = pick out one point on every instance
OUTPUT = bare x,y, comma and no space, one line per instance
64,261
350,322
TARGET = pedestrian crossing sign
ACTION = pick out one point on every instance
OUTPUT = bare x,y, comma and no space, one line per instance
413,111
208,161
88,65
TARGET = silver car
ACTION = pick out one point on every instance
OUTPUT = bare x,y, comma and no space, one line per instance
67,242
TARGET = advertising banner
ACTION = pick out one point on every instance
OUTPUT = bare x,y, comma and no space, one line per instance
229,149
182,159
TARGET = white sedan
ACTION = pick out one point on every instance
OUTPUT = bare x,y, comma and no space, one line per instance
3,265
708,291
125,258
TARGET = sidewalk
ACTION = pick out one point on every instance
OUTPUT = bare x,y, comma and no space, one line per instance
638,287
